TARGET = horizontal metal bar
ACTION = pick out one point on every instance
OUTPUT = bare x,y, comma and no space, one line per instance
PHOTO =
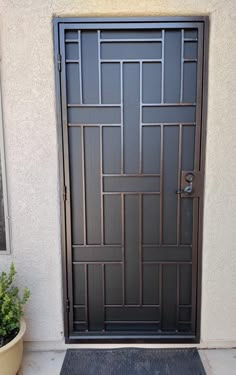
132,175
121,22
75,306
93,125
133,184
113,193
72,23
80,322
148,40
130,192
132,321
136,337
172,245
189,60
94,262
164,262
121,305
70,61
190,39
99,115
72,40
167,114
92,105
168,104
167,123
88,246
98,254
130,60
167,253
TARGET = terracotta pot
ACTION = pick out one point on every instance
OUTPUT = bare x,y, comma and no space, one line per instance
11,354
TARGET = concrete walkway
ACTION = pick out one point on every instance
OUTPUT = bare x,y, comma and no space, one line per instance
215,361
219,361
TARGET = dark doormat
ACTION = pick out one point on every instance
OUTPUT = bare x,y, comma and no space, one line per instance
132,361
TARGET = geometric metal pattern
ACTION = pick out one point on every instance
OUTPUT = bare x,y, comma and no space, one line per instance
130,104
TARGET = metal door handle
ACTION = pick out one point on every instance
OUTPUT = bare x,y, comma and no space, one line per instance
187,190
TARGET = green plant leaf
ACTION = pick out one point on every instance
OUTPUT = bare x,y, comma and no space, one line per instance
11,304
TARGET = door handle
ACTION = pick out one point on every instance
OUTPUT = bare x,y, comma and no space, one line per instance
187,184
187,190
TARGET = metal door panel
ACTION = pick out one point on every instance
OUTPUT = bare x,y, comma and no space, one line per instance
131,258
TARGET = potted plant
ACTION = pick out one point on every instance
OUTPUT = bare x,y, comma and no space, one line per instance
12,325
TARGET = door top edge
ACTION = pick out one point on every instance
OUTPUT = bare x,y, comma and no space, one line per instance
57,20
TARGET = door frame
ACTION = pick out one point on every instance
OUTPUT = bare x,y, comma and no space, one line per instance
204,20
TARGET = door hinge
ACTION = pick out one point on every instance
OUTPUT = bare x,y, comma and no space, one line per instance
59,62
64,193
68,305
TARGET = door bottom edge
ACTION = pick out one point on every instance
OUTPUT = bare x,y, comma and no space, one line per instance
140,339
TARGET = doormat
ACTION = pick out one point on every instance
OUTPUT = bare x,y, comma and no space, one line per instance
132,361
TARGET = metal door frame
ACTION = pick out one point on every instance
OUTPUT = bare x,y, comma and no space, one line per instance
63,171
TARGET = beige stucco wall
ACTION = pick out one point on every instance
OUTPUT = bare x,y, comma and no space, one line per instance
27,71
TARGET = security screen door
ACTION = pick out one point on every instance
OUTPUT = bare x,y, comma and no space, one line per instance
131,116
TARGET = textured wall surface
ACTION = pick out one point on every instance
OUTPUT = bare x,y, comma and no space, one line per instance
27,70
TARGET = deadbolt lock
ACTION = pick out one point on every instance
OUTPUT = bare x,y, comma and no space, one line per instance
189,177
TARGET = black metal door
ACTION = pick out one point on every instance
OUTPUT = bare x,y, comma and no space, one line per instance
131,114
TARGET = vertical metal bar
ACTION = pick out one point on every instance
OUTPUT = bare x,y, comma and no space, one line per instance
101,187
160,293
80,68
83,188
199,100
182,67
162,135
140,115
204,91
180,139
123,246
162,65
64,102
103,293
197,162
86,293
61,176
99,68
179,183
177,297
122,117
161,183
140,249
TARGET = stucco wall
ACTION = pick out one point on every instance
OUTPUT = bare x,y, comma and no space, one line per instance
28,91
